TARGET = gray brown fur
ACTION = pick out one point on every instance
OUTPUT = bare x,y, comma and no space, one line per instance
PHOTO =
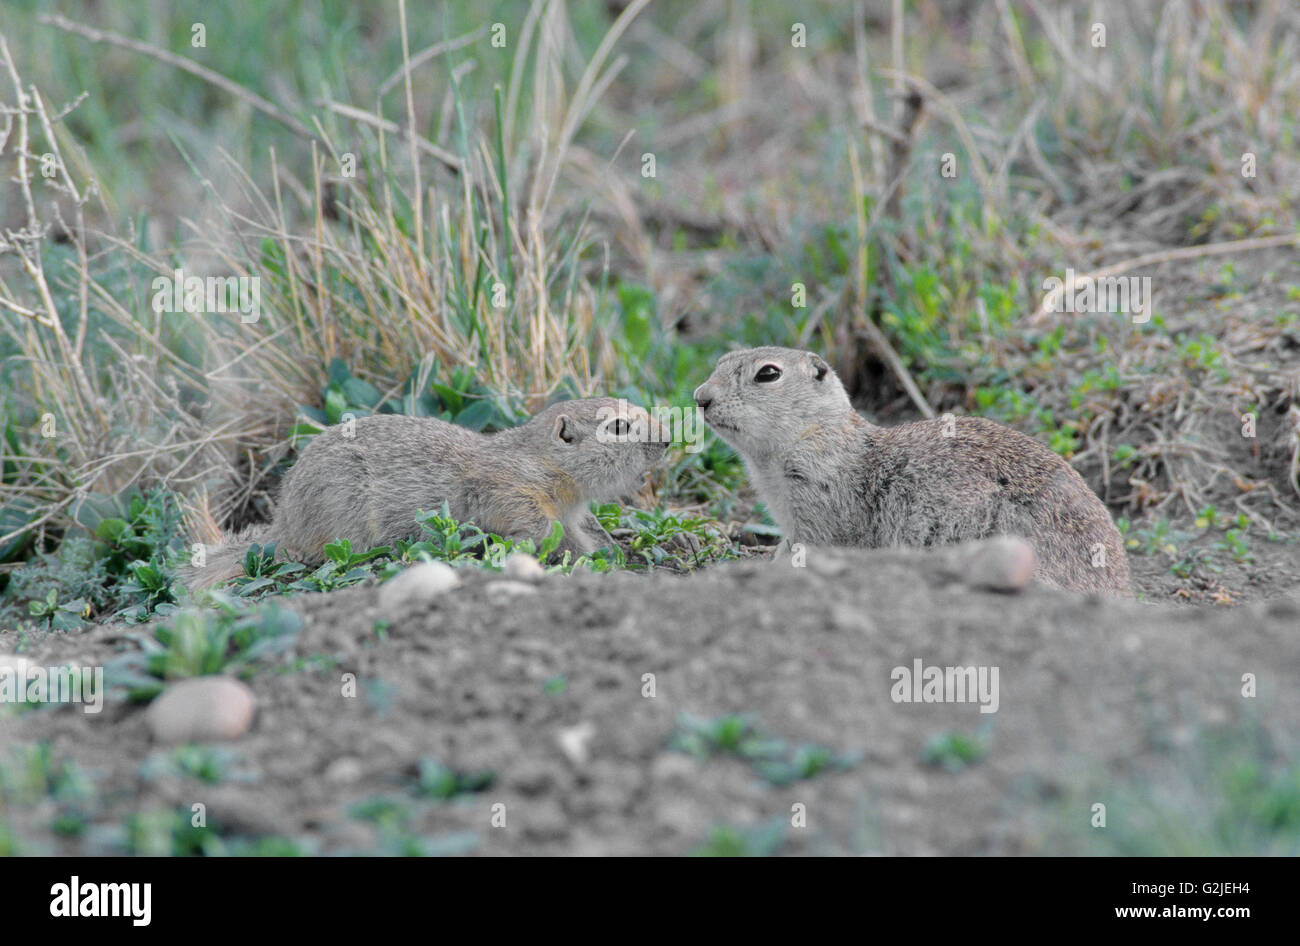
829,477
368,488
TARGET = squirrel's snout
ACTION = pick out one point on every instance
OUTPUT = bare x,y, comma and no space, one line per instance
703,397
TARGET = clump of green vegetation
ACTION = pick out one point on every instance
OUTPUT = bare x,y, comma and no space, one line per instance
657,538
1228,794
556,685
31,778
391,818
163,833
197,643
443,782
738,735
461,398
762,840
204,763
122,569
381,810
444,540
1012,406
1186,559
734,734
955,751
434,782
1159,536
160,832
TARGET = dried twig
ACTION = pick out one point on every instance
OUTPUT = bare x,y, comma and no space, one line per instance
449,160
1178,254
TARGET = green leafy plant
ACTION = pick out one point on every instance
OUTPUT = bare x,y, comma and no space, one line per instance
204,763
459,399
442,782
33,779
955,751
659,537
123,568
198,643
738,735
762,840
57,615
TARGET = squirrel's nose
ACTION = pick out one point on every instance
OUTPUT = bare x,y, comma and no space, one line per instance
703,397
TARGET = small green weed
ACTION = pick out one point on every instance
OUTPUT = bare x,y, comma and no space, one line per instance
955,751
737,735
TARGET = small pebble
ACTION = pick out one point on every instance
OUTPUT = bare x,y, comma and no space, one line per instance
523,567
507,590
1004,563
844,617
201,709
574,742
418,586
344,771
824,562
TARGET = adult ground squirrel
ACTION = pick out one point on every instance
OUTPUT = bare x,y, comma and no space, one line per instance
829,477
367,482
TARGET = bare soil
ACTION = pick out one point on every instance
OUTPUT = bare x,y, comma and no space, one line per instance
1132,705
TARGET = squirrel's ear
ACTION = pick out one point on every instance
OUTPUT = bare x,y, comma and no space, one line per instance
819,368
564,430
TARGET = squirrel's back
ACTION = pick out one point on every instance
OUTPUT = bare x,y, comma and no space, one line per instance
359,481
366,480
830,477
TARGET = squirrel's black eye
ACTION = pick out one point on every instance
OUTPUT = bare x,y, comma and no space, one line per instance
767,373
619,427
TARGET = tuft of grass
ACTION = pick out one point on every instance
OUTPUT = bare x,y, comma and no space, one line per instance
738,735
389,269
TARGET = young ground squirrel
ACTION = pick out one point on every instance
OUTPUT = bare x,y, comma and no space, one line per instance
829,477
366,483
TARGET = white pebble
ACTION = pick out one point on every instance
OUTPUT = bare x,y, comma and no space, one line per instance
1004,563
345,771
575,742
202,709
506,590
418,586
523,567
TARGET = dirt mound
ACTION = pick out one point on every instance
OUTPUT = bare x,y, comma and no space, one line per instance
750,708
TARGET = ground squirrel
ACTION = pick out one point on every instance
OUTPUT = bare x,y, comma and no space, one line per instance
830,477
367,482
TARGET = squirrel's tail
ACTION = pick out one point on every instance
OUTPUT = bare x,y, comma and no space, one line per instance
211,564
215,556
